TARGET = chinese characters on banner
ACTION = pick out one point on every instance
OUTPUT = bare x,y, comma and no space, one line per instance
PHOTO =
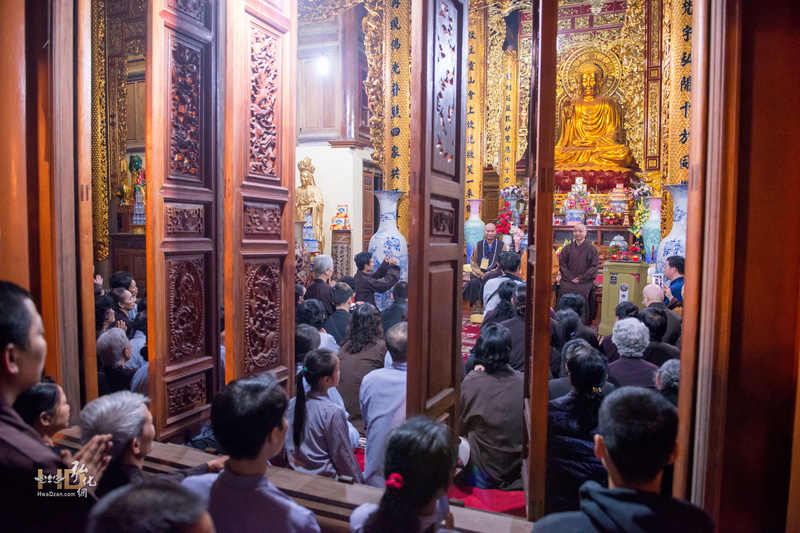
397,110
525,65
509,121
680,90
476,107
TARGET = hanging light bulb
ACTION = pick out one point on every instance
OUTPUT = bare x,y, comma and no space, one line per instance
323,65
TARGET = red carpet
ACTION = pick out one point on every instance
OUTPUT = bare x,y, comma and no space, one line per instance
500,501
469,335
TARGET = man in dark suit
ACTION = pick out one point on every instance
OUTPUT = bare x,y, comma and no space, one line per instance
370,280
653,298
396,313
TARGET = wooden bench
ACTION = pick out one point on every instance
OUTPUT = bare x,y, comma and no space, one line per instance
331,501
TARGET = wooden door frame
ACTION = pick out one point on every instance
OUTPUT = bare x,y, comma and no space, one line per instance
540,165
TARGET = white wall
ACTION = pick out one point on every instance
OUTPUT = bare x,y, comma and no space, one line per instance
338,173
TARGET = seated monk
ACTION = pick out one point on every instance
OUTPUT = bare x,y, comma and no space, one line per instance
591,127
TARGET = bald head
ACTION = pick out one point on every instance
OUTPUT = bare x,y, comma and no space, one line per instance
579,233
652,293
490,232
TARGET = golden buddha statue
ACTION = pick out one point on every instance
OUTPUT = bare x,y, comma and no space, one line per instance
308,199
591,127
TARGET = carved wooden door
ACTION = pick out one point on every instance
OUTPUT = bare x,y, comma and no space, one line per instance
439,46
182,204
540,251
259,192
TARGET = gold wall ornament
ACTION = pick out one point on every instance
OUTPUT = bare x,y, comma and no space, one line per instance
310,11
632,55
99,133
397,104
494,85
372,25
476,104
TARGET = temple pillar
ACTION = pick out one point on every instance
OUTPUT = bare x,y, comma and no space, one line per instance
14,200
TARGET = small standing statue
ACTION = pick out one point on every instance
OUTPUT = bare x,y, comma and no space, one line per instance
309,200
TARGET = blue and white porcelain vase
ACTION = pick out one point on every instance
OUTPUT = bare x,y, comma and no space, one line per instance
651,229
675,242
474,226
388,241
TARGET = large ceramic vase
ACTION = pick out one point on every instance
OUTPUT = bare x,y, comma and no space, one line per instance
651,229
474,226
675,242
388,240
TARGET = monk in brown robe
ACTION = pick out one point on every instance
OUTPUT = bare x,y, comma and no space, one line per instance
578,263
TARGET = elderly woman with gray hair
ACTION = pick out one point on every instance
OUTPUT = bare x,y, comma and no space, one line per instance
126,417
631,337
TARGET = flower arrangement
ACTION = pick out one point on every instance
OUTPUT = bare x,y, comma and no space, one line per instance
517,233
504,220
612,219
558,250
512,192
578,200
640,190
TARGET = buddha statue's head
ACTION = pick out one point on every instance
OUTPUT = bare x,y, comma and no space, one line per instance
590,75
306,171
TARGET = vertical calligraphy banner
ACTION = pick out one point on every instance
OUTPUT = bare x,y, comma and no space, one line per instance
397,103
509,120
680,90
525,64
476,105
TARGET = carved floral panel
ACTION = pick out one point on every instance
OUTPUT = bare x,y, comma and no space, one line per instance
187,293
264,64
443,219
262,219
185,219
185,395
193,8
262,315
445,75
185,109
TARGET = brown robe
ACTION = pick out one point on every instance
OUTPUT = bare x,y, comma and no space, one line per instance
353,368
492,421
581,262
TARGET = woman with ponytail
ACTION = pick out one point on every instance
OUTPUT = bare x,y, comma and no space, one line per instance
571,427
317,441
419,464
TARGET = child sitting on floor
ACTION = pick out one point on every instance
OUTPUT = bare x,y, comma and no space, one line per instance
318,442
419,466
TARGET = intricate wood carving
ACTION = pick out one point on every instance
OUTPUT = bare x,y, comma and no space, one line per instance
444,123
263,97
186,308
193,8
185,117
184,396
185,219
262,219
262,315
443,220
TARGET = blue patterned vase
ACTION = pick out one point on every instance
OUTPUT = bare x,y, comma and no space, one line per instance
388,240
675,242
651,230
474,226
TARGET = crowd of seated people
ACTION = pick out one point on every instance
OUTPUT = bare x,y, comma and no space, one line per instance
360,378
